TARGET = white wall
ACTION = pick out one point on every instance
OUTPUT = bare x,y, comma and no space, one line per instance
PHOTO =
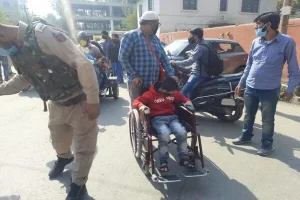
234,14
173,17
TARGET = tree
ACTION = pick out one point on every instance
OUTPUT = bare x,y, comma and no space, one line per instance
61,21
295,6
131,18
3,18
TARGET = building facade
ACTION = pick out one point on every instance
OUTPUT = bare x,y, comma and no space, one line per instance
14,9
181,15
95,16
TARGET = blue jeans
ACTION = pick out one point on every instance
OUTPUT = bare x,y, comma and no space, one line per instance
117,67
4,63
193,81
268,100
165,126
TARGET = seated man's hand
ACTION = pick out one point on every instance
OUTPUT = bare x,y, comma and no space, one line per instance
188,103
144,109
175,78
172,62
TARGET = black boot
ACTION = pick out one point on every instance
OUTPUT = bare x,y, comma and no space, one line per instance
76,192
59,166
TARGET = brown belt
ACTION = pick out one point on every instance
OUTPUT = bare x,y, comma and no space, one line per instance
71,102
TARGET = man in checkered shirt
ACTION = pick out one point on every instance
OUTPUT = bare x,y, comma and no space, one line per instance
137,59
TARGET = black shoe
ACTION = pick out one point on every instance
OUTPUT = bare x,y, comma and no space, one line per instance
59,167
76,192
241,140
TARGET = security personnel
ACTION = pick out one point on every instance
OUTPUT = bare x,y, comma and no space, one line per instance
46,58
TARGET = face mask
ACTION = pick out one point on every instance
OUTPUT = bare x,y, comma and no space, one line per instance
260,32
8,52
155,29
191,40
83,43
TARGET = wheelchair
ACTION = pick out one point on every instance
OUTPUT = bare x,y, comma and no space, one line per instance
142,137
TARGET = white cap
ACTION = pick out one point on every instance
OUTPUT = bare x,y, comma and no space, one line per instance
149,15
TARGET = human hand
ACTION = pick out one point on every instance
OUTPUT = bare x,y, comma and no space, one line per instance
93,111
287,96
137,82
175,78
172,62
238,90
188,103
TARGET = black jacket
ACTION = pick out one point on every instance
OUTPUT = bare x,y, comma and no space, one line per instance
114,51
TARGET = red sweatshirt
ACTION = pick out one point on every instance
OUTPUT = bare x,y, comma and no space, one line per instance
159,104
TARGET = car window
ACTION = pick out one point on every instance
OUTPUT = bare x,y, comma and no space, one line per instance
176,47
224,47
237,48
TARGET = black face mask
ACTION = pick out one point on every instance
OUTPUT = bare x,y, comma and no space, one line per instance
191,40
155,29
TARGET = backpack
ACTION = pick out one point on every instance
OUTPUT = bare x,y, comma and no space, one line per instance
215,64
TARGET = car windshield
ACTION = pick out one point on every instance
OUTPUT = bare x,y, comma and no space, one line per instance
176,47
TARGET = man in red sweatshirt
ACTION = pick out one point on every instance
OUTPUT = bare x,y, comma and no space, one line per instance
161,100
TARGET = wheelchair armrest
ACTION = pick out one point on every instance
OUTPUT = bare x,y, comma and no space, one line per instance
187,108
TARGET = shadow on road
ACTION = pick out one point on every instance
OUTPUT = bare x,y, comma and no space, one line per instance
113,112
30,93
65,178
284,145
291,117
217,185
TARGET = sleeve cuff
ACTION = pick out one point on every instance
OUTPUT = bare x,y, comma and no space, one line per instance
290,89
92,99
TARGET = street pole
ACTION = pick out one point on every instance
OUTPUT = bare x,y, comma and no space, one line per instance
25,9
285,17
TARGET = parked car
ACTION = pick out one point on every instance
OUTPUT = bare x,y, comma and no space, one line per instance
234,56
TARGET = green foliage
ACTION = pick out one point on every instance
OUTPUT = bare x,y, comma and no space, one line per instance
295,6
61,21
131,18
3,18
130,22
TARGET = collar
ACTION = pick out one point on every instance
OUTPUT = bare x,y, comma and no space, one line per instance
22,31
278,38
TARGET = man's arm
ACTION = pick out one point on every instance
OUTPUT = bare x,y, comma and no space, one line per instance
179,98
165,60
293,67
199,51
142,100
124,55
14,85
59,44
97,52
243,80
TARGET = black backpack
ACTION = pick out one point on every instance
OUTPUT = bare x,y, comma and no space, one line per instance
215,64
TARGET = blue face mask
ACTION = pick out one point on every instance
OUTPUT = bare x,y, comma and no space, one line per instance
8,52
260,33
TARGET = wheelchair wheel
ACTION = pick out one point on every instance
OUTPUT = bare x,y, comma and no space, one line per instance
115,92
146,168
135,134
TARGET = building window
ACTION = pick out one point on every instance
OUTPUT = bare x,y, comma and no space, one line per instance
5,4
150,5
223,5
189,4
251,6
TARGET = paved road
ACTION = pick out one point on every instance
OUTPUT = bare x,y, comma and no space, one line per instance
236,172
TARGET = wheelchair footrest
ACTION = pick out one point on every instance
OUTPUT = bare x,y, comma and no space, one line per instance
168,179
193,173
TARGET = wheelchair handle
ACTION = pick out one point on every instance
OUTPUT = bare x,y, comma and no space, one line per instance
190,108
147,111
